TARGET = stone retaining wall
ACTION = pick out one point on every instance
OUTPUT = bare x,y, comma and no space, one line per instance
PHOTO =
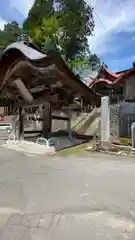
114,121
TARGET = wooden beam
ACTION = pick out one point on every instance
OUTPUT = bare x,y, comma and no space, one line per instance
32,131
41,101
53,117
23,90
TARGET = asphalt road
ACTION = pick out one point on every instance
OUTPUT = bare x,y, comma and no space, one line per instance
87,196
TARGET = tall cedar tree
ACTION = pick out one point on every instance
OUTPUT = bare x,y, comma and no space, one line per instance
77,24
41,9
74,24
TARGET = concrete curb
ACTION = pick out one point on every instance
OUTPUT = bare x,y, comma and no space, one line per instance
29,147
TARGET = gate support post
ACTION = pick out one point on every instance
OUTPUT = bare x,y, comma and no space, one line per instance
69,130
47,120
21,124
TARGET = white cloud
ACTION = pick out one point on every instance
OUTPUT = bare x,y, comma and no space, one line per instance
22,5
2,23
116,16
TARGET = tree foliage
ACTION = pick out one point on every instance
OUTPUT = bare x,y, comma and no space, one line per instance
73,23
41,9
86,65
77,24
46,37
9,34
94,62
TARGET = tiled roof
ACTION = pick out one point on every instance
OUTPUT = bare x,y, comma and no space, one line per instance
117,77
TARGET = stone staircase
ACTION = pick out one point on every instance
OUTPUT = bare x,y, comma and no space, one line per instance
89,124
77,122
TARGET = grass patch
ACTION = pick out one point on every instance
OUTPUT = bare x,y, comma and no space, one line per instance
72,150
125,140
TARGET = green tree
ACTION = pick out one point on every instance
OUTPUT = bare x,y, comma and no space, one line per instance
10,34
46,36
94,62
73,22
86,65
77,24
40,10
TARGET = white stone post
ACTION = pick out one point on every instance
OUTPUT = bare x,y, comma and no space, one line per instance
105,122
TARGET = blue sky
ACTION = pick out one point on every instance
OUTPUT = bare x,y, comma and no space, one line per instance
115,46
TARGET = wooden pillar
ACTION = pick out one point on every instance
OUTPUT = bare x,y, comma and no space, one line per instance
69,125
47,120
21,124
81,104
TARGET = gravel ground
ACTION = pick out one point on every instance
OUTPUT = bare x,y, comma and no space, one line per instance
84,196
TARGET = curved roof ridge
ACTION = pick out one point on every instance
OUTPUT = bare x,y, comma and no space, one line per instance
101,80
115,75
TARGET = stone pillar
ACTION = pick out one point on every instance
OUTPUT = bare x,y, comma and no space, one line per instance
105,122
47,120
21,124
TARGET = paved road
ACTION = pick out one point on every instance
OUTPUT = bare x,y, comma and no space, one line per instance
88,196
